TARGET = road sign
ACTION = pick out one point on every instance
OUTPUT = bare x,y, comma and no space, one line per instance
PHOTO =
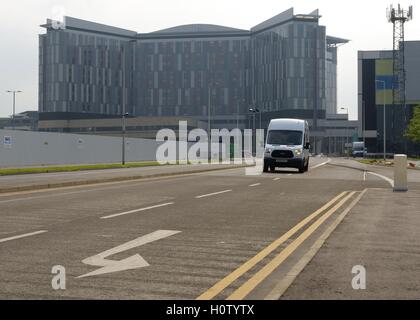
7,141
133,262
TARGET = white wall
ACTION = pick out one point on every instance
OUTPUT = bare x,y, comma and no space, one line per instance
39,148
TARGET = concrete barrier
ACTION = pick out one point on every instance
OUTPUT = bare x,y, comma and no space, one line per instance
400,173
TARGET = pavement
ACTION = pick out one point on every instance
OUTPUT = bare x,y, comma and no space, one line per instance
212,235
24,182
382,235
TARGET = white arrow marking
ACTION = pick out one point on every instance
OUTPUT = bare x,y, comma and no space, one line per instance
133,262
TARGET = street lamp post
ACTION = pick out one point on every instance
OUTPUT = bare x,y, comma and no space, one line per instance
253,118
209,112
254,129
124,113
260,114
384,85
253,111
347,129
260,127
237,115
14,92
364,122
209,121
123,125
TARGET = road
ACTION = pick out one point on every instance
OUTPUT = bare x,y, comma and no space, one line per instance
204,235
42,179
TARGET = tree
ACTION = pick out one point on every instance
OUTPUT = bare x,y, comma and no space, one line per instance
413,130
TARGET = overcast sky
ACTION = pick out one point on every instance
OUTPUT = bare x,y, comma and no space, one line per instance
363,22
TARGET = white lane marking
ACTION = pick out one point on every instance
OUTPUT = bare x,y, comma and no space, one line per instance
23,236
111,186
137,210
212,194
321,164
255,185
41,197
389,180
276,179
133,262
364,175
289,175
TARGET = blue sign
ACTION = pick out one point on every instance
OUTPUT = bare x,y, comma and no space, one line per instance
7,141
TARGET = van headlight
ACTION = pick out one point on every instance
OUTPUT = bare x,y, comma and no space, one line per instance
268,150
298,152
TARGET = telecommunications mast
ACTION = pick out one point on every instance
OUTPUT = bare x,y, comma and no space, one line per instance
398,17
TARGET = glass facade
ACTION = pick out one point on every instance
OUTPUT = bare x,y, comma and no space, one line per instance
285,66
179,77
289,67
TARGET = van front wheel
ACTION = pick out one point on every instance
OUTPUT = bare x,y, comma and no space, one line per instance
265,169
302,168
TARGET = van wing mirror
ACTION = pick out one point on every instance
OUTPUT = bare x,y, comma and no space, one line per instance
308,145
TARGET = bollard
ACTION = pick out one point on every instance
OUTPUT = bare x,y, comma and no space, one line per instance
400,173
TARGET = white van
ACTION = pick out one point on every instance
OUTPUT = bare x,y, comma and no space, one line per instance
287,145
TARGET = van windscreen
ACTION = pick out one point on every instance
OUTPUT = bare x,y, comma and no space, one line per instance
285,137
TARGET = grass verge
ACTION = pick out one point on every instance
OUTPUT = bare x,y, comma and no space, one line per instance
389,163
368,161
73,168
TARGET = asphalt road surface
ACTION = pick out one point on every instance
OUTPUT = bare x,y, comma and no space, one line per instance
216,235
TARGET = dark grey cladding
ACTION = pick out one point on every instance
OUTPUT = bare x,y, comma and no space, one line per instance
285,63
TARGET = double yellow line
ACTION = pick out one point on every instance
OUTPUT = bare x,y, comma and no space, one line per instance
252,283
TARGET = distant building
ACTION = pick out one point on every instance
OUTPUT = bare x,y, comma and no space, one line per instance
375,70
285,67
27,121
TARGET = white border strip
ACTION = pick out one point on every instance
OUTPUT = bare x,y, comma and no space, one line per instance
23,236
213,194
137,210
389,180
321,164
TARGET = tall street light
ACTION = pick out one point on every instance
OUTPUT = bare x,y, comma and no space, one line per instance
210,93
253,111
384,85
213,85
124,113
347,129
124,116
259,113
237,114
364,121
254,129
14,92
260,127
